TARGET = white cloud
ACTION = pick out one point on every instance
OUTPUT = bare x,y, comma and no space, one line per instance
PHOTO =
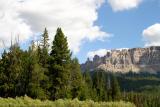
29,17
120,5
11,24
100,52
151,35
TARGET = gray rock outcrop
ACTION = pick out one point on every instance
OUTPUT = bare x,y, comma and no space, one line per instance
125,60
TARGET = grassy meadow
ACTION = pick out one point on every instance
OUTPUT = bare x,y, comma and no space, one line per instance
29,102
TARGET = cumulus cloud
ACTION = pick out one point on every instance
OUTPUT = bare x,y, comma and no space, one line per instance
120,5
100,52
151,35
29,17
11,24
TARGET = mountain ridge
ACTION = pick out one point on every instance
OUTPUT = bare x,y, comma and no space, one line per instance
125,60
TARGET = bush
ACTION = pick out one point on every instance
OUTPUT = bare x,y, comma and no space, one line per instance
28,102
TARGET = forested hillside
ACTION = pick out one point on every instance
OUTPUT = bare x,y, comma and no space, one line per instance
140,88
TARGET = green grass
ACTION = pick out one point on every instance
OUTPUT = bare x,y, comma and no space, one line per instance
28,102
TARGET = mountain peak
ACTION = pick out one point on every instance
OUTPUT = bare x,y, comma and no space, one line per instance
125,60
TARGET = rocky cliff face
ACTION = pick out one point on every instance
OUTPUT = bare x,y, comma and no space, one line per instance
135,59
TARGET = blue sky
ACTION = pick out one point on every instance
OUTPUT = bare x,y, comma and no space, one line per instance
91,26
125,26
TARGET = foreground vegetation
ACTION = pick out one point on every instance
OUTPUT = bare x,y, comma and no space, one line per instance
28,102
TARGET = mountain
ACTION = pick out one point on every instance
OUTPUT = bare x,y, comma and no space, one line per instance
125,60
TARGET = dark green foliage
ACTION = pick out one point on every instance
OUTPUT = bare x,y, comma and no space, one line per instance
87,92
36,75
115,89
43,49
99,83
141,88
88,79
4,81
101,86
76,79
43,56
11,72
60,66
143,99
39,74
137,81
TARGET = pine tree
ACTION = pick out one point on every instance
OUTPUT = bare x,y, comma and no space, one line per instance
109,89
4,63
87,93
43,55
25,74
87,78
76,78
100,85
36,75
12,69
60,58
115,88
15,68
44,48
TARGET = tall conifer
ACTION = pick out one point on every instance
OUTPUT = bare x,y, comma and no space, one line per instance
76,78
60,70
115,88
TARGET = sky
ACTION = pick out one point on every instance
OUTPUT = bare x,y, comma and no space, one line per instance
91,26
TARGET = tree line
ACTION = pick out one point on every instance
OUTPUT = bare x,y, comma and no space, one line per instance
39,72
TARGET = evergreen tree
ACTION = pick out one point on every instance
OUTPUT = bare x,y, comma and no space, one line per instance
4,63
76,78
115,88
88,92
43,55
43,51
15,68
109,89
60,58
87,78
100,85
36,75
25,74
12,69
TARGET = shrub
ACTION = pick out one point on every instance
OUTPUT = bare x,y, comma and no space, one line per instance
28,102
